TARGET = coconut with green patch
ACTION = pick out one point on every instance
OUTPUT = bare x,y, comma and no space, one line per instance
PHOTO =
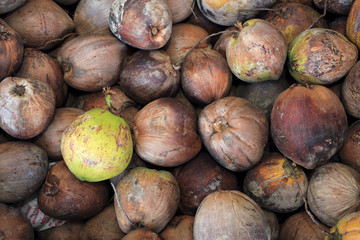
321,56
257,52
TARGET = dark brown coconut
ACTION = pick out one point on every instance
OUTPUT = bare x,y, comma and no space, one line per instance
12,48
50,138
234,131
333,192
143,24
200,177
26,106
350,151
308,124
23,168
13,224
230,215
274,186
38,65
65,197
148,75
92,62
205,76
146,198
41,23
165,132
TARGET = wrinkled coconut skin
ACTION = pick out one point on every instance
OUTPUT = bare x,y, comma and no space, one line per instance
234,131
229,215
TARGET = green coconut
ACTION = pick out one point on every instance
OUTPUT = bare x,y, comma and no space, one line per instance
97,145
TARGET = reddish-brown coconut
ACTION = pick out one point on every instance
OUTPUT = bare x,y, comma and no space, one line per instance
63,196
200,177
205,76
308,124
165,132
149,75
